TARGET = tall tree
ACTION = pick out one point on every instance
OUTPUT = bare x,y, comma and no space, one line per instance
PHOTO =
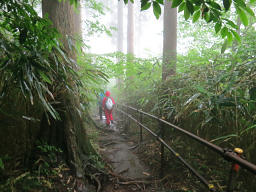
120,26
120,32
130,29
130,41
169,40
68,133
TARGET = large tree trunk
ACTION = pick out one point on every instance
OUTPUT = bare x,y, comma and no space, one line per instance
169,41
64,18
120,34
68,133
130,42
120,26
130,29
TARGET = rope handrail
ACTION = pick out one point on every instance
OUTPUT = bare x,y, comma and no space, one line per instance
227,154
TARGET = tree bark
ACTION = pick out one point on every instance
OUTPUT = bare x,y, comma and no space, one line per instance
120,26
130,29
120,34
64,18
130,42
169,41
68,133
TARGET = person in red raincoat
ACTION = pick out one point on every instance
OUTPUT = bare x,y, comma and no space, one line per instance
108,113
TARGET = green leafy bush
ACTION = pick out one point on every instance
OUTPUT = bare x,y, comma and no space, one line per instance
32,60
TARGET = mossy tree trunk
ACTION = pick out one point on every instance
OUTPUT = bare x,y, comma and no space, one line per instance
68,133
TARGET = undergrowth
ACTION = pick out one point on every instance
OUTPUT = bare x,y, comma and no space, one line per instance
46,172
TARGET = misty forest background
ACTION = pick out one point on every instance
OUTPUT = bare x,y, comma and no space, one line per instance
192,63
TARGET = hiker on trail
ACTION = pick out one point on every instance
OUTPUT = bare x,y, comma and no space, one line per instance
100,99
108,105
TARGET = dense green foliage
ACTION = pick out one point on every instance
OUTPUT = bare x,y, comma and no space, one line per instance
219,89
31,56
34,62
37,74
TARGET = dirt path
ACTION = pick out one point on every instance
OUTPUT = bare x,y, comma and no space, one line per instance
129,173
117,151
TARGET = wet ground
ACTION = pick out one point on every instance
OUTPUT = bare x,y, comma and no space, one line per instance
129,173
119,153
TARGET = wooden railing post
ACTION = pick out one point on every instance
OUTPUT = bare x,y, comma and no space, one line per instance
234,170
162,135
127,122
124,118
141,139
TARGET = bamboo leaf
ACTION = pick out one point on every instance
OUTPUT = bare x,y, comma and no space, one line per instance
249,10
231,23
190,7
44,77
207,17
191,99
217,27
224,46
248,129
224,32
181,7
207,121
229,37
227,4
186,13
225,138
31,118
203,90
160,1
176,3
196,16
214,5
237,37
242,16
240,3
146,6
156,9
